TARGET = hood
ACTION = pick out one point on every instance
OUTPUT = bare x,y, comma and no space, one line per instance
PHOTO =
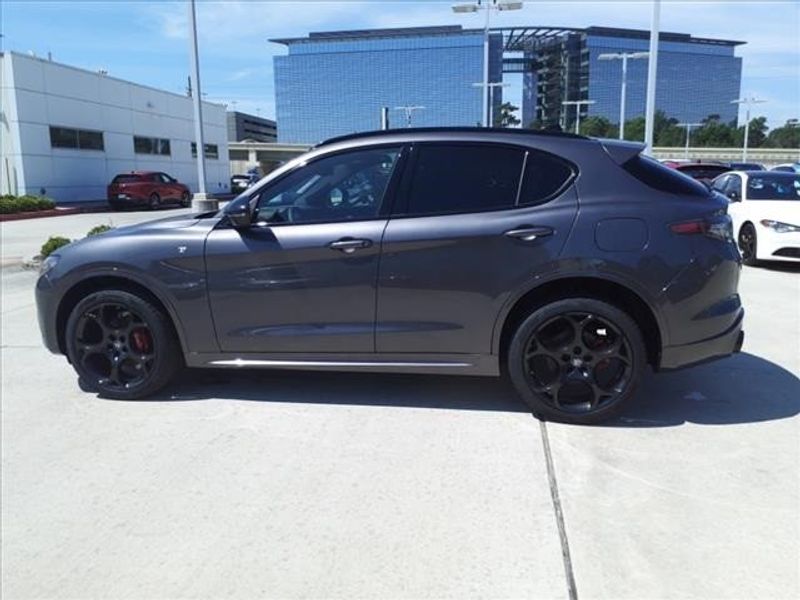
160,225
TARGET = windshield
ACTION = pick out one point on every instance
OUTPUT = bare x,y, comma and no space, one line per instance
773,186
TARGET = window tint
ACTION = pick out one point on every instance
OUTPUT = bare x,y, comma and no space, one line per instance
82,139
720,182
703,171
132,178
773,186
545,176
211,150
464,178
343,187
146,145
655,175
734,184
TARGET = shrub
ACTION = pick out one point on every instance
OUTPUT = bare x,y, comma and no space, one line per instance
17,204
98,229
53,243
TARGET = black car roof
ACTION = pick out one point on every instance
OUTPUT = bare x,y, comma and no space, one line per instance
423,130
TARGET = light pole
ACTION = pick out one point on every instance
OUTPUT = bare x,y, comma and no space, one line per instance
490,86
409,110
688,134
201,202
748,102
488,6
650,106
624,57
577,104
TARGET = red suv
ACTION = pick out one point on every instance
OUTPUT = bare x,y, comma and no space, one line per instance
146,188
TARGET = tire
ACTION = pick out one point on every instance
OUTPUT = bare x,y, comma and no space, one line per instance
748,244
185,200
115,328
154,202
577,360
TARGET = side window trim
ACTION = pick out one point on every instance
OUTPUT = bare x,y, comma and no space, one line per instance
521,181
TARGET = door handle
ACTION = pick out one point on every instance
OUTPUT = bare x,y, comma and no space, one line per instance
527,233
349,245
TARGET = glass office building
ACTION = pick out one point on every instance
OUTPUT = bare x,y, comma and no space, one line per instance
334,83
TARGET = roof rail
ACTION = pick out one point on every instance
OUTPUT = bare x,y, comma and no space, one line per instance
414,130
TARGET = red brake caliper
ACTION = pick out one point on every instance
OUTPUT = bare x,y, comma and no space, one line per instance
141,340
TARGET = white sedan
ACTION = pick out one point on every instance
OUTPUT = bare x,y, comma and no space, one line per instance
765,209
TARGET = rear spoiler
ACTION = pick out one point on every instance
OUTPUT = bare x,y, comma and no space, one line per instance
621,151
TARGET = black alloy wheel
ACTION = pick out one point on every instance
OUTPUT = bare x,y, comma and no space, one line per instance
748,244
121,345
154,202
577,360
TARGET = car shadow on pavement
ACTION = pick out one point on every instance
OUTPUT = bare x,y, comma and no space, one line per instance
740,389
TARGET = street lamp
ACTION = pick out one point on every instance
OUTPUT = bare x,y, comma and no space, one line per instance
650,105
688,133
748,102
577,104
201,202
489,86
488,6
624,57
409,110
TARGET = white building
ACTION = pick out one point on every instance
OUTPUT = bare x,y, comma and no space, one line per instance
67,131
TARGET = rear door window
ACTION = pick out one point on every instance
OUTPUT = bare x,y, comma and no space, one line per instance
462,178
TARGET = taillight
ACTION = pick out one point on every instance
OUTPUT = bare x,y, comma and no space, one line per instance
717,226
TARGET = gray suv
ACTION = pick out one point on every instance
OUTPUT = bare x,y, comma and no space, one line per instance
569,264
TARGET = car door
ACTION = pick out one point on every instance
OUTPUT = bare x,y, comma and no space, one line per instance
302,277
168,187
474,224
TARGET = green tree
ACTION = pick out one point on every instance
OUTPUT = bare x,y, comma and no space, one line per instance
786,136
505,117
598,127
634,129
757,134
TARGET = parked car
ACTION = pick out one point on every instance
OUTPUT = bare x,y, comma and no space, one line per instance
765,208
746,166
239,183
146,188
704,172
450,251
787,168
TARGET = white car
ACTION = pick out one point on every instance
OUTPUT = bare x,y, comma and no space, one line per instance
788,167
765,209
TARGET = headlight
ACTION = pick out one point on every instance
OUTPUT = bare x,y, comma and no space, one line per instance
48,263
780,227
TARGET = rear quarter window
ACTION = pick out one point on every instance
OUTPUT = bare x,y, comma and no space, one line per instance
545,177
655,175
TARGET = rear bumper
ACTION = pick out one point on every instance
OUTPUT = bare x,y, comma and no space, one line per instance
728,342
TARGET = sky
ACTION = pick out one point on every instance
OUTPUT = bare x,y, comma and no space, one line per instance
147,42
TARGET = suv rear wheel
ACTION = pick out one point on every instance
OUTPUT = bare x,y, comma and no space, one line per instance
121,345
577,360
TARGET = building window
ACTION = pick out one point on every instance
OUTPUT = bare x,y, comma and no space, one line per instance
147,145
81,139
238,155
211,150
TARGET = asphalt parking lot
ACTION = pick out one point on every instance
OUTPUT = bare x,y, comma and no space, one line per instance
268,484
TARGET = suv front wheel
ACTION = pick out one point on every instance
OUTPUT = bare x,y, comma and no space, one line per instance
577,360
121,345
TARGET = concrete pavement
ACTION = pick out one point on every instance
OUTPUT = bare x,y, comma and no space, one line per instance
258,484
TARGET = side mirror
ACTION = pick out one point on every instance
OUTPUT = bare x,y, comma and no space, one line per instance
241,216
733,196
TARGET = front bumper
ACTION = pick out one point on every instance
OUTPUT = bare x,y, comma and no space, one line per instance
719,346
772,245
46,308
